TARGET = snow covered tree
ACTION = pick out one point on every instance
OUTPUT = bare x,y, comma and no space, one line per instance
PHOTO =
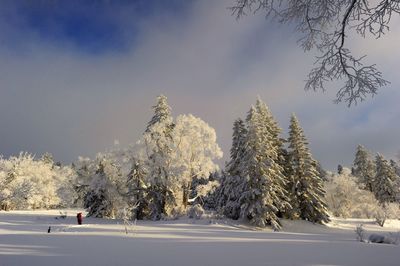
158,144
229,193
385,182
85,170
47,158
162,113
345,198
202,191
364,168
395,166
273,129
237,148
340,169
65,177
265,193
233,183
305,185
321,171
210,200
27,183
106,196
96,201
136,186
195,148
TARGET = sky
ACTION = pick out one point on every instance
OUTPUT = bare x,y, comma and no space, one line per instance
77,75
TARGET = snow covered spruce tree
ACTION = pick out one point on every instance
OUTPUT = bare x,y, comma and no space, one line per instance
265,194
237,149
233,183
158,145
136,190
107,190
85,169
395,166
386,181
271,125
364,168
305,186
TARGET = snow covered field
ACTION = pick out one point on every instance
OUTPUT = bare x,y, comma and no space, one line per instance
24,241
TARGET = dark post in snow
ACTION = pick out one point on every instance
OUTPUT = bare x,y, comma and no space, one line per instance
79,218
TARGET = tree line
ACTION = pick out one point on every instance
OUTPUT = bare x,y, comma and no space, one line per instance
171,171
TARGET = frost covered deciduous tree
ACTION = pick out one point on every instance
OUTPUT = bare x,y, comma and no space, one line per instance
364,168
173,153
26,183
324,26
345,198
265,194
305,185
195,149
386,181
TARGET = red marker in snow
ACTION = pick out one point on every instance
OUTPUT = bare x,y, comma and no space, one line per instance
79,218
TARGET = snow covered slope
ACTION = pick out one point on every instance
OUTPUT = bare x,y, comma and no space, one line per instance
24,241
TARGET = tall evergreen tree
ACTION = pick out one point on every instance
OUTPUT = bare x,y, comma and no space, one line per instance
273,129
158,141
265,193
136,186
364,168
305,185
395,166
162,113
237,149
385,182
232,182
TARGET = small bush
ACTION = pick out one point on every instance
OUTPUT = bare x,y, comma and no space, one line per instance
196,211
360,232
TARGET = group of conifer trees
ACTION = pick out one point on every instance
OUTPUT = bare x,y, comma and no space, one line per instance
380,176
269,177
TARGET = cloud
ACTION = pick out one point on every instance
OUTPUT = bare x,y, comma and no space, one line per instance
57,97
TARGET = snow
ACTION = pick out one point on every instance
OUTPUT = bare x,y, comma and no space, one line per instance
24,241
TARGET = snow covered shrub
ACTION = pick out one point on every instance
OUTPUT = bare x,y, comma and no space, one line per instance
196,211
382,239
389,211
177,212
345,198
381,216
360,232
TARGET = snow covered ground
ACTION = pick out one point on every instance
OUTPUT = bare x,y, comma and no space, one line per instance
24,241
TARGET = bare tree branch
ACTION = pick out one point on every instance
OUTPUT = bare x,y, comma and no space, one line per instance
324,25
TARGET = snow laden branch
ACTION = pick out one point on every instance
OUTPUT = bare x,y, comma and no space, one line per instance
324,25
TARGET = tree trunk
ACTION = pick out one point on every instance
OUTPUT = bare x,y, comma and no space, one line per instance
185,197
